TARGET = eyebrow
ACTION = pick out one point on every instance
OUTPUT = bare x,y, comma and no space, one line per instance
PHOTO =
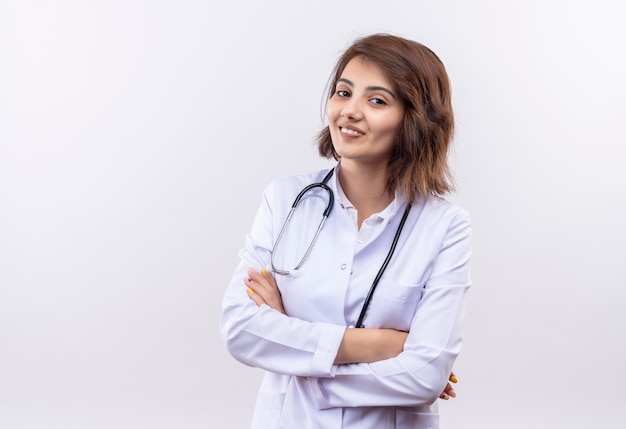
369,88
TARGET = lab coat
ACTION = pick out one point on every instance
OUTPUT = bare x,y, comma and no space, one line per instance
422,291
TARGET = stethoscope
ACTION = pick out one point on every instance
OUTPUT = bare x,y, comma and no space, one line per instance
331,199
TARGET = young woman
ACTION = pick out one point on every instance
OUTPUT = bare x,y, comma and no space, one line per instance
358,324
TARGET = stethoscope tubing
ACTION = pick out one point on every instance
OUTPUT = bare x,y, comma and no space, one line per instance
383,267
329,208
327,211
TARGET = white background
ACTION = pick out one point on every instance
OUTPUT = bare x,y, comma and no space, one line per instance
136,137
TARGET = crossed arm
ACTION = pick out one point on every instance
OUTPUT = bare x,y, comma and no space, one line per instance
363,345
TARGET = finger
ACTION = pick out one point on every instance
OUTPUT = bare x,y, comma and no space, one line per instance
449,390
258,299
263,280
444,396
264,285
453,378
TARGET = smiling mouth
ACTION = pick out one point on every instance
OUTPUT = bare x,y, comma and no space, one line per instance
350,131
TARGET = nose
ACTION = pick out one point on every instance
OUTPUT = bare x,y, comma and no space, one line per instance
351,109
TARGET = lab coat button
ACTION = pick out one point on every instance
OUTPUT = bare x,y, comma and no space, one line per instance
343,266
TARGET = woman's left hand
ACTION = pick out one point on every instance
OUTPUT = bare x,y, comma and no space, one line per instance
262,289
448,391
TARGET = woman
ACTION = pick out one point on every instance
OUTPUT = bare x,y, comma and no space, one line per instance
297,312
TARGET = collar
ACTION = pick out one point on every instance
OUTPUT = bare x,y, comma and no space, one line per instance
342,200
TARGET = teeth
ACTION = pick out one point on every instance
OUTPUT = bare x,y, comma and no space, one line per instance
349,131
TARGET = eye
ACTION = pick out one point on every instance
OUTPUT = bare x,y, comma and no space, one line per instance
342,93
378,101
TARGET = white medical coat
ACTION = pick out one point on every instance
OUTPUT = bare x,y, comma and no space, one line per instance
422,292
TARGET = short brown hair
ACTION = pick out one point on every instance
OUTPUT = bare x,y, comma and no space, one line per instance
419,163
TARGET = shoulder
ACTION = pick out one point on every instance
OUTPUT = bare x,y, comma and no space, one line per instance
302,179
284,190
440,206
440,212
292,185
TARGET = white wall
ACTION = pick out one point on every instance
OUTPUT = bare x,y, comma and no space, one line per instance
136,137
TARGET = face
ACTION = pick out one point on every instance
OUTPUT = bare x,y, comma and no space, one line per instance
364,114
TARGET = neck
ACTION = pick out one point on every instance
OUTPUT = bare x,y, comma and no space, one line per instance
365,188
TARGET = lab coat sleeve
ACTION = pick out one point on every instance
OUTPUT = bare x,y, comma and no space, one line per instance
418,375
262,337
